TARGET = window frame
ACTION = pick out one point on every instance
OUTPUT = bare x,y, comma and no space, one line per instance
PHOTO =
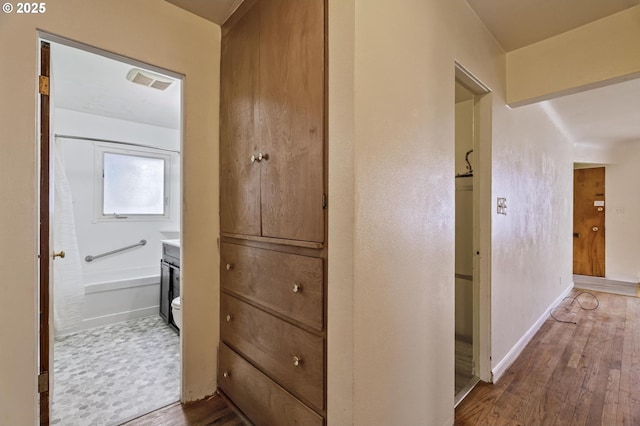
99,153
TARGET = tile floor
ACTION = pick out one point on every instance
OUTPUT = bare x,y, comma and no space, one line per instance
107,375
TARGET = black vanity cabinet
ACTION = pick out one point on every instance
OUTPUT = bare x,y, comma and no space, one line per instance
169,281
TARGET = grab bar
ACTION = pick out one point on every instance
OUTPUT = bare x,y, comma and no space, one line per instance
89,258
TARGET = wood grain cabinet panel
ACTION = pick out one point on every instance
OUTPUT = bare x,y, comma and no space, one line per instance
291,94
259,398
291,356
272,122
287,283
272,362
239,177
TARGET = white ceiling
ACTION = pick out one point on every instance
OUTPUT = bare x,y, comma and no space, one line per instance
601,116
517,23
94,84
97,85
605,115
214,10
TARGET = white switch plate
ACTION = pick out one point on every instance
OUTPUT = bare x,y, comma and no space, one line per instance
502,205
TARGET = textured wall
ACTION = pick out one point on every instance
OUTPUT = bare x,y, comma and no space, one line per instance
404,194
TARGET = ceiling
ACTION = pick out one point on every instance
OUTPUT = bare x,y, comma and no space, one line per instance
216,11
601,116
518,23
94,84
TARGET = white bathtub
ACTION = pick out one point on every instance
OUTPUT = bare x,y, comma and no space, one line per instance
118,296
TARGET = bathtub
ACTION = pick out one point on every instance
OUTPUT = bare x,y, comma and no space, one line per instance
112,297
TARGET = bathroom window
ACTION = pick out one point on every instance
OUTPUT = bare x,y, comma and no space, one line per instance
132,184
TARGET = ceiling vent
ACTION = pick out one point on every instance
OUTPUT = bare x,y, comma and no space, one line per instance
149,79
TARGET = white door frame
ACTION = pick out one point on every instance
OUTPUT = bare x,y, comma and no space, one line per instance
481,221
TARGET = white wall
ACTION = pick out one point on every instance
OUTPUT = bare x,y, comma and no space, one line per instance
404,195
532,244
95,237
622,229
98,237
154,32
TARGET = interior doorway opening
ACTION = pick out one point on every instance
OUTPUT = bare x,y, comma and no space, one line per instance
472,182
114,179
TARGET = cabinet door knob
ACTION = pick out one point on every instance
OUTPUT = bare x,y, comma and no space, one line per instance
297,361
229,266
263,156
253,158
226,375
229,318
296,288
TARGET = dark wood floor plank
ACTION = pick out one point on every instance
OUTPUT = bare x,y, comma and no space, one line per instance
583,374
212,411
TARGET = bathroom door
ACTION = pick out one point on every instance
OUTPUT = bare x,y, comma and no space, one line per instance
45,234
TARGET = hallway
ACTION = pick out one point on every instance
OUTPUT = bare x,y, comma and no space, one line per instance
580,374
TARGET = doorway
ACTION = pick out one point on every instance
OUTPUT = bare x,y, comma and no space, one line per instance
589,221
472,181
114,141
465,375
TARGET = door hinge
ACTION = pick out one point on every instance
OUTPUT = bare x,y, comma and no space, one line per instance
43,86
324,201
43,382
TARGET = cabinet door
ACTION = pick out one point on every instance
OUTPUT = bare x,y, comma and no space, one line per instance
239,176
291,100
165,282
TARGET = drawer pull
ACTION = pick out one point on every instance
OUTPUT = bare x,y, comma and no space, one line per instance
297,361
229,266
297,288
226,375
229,318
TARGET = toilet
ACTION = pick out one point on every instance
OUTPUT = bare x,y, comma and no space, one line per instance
176,312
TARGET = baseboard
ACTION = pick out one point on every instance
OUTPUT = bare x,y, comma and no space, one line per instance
89,323
504,364
607,285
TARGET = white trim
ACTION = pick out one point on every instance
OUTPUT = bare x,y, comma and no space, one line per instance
517,349
109,319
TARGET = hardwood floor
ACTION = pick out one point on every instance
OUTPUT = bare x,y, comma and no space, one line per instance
570,374
213,411
463,363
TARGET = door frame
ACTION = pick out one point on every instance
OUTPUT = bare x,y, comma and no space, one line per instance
482,207
45,299
44,264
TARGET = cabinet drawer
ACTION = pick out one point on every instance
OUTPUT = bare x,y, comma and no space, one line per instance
287,283
291,356
259,398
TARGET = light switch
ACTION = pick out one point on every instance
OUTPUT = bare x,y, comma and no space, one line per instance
502,205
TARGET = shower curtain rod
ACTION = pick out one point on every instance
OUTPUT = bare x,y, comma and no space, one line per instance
82,138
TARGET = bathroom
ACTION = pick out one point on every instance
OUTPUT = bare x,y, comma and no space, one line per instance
115,154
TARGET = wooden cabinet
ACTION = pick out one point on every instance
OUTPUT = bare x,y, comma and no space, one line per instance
169,281
263,401
273,249
289,284
272,122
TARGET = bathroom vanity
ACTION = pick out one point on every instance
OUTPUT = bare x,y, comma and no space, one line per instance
169,279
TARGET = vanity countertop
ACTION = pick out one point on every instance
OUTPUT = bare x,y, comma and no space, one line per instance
175,243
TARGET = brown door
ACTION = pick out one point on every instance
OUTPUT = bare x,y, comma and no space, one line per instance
291,118
43,377
239,175
588,222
